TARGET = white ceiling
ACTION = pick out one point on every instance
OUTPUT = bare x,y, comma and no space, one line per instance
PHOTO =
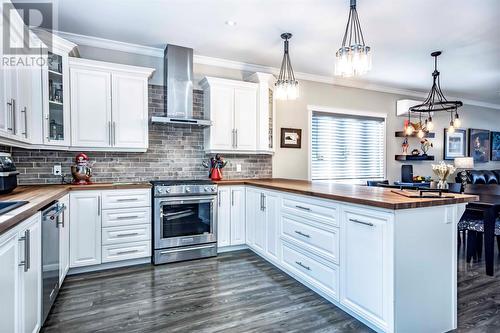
401,33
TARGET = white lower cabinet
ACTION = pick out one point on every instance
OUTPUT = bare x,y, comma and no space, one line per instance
85,231
109,226
366,265
231,216
20,277
64,240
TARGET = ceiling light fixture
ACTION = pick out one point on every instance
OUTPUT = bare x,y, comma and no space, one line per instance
354,57
436,102
287,87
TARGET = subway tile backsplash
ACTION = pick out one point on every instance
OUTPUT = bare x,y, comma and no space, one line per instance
175,152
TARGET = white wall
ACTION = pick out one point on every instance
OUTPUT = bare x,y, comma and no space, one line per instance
293,163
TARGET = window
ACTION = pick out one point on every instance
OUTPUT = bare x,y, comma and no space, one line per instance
347,147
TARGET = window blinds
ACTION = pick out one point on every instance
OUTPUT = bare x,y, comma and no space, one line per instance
347,147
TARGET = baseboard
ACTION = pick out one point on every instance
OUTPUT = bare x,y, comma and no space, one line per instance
232,248
109,265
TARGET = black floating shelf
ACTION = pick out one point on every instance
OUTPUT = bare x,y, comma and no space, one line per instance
414,158
402,134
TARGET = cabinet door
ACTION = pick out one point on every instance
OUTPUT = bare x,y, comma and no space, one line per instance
64,240
260,224
85,231
31,276
130,111
224,216
221,112
252,209
245,118
9,282
364,265
237,215
25,78
271,209
90,108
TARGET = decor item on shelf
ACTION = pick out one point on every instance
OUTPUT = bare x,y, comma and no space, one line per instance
479,145
495,146
454,144
436,102
442,171
422,179
354,57
82,170
287,87
291,137
405,145
415,152
425,145
215,165
464,164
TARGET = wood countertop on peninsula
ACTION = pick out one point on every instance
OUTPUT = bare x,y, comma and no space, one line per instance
357,194
38,196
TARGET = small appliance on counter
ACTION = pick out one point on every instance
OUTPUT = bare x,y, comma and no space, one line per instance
82,170
8,174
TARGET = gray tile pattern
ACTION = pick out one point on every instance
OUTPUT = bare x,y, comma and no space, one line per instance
175,152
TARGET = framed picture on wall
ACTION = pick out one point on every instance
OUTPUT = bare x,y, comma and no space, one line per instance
291,137
454,144
495,146
479,145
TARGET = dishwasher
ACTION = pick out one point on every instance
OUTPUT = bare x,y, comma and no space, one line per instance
52,218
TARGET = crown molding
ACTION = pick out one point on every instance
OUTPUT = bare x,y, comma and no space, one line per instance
247,67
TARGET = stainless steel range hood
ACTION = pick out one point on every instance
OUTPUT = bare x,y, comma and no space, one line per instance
178,85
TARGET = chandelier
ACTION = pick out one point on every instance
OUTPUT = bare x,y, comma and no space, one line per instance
354,57
434,102
287,87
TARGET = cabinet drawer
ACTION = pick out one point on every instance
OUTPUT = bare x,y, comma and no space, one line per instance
325,212
126,251
313,270
324,242
126,198
126,234
126,216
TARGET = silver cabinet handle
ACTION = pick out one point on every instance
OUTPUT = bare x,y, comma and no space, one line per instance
14,116
128,235
361,222
127,252
99,206
303,208
262,201
127,199
27,250
232,139
24,112
218,199
302,265
114,134
128,217
236,136
110,133
9,112
302,234
232,198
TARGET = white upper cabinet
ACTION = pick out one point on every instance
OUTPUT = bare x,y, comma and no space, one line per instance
109,105
233,109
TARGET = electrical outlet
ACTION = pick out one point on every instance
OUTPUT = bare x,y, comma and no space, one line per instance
57,170
238,167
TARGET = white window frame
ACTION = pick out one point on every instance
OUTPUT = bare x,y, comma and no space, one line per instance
361,113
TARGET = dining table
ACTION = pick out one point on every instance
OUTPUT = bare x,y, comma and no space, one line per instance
489,204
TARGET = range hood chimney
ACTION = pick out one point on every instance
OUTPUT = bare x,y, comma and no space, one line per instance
178,85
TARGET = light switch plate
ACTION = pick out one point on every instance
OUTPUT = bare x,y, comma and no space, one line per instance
57,170
238,167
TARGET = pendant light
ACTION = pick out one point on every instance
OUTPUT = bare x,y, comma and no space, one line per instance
354,57
436,102
287,87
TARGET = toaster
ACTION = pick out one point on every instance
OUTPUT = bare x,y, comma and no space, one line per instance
8,173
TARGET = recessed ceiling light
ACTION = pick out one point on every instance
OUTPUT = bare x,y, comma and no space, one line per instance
230,23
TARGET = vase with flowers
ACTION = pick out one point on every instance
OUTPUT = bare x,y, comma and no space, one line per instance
442,171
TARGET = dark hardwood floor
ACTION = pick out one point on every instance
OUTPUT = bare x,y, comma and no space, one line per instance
235,292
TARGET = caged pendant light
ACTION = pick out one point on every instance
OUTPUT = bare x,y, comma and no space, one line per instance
287,87
354,57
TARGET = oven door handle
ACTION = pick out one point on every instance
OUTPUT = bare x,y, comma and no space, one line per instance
174,201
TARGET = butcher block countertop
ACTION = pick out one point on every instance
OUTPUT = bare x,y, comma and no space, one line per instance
357,194
42,195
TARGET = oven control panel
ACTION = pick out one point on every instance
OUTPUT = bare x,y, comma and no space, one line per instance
165,190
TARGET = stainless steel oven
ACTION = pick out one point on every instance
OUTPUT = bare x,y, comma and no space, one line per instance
184,215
